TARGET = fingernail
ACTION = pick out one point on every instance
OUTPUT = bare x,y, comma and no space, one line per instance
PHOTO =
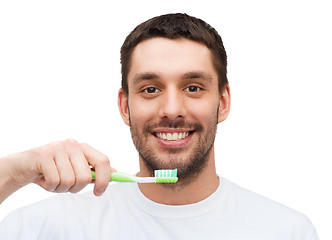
99,191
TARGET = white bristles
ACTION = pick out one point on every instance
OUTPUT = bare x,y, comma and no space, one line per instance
163,173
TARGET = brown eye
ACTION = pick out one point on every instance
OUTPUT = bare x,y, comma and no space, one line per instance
192,89
151,90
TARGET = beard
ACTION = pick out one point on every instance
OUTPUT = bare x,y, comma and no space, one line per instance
189,166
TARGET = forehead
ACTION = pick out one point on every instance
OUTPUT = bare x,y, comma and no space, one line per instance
170,57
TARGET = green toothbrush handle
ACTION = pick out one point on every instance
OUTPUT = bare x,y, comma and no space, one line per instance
116,177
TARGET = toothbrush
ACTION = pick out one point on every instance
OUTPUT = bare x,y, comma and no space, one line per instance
160,176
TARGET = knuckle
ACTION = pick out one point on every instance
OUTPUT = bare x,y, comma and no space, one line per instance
57,146
84,145
71,144
104,160
70,141
85,179
69,181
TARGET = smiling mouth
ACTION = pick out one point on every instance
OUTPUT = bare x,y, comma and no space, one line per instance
174,136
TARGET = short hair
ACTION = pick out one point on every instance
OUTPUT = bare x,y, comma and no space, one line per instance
174,26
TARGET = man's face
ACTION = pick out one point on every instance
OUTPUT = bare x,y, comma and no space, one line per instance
173,104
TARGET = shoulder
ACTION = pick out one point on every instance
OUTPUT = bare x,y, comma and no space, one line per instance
263,212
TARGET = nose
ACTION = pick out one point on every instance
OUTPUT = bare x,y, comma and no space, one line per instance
172,105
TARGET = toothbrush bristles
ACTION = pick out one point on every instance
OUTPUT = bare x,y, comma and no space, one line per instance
166,175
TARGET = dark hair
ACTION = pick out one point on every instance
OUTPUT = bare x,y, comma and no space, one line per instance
173,26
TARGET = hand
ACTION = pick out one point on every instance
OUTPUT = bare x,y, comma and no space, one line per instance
57,167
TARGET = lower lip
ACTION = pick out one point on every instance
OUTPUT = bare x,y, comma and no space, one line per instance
174,144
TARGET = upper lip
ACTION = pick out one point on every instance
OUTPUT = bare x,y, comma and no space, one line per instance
171,130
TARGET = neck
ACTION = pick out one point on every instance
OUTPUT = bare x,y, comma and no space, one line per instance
201,187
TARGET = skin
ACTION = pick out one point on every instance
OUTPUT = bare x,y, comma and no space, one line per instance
172,82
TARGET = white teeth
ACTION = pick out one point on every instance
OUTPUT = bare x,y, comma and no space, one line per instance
175,136
169,136
172,136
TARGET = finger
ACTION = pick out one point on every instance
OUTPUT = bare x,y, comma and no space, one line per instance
49,178
112,170
102,167
79,164
66,172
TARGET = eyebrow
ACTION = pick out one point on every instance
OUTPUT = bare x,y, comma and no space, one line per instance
145,76
197,74
185,76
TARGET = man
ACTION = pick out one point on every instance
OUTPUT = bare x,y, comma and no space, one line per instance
174,93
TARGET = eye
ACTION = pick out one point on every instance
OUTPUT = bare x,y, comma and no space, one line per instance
151,90
192,89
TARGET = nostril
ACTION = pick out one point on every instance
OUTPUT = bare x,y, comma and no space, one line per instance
172,106
172,118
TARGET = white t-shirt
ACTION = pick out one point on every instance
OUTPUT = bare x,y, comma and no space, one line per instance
123,212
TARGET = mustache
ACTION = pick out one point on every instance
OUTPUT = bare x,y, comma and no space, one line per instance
167,123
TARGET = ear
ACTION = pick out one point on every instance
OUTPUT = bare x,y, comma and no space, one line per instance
225,104
123,106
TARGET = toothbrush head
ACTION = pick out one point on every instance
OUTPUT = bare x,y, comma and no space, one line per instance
166,176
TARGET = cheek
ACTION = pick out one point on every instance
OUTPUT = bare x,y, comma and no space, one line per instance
141,112
204,111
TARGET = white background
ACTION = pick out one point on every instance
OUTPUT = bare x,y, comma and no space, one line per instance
60,74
